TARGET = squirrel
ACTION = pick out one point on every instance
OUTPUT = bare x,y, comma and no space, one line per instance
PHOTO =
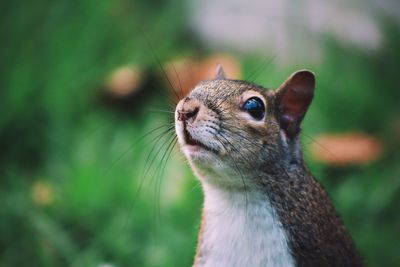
262,206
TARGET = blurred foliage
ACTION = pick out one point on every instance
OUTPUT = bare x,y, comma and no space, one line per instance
72,167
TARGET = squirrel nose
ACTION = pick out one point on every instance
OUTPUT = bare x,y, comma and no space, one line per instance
188,114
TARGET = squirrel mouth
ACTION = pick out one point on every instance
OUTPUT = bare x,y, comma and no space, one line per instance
189,140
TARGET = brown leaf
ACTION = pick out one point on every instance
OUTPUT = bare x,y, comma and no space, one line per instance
346,149
185,74
232,67
124,81
42,193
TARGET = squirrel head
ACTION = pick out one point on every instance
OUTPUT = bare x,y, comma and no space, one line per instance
231,130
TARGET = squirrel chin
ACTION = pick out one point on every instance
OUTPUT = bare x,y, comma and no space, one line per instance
199,156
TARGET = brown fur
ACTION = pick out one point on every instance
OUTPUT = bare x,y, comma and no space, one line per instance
199,239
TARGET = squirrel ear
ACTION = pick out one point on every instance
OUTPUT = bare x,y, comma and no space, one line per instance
220,73
292,100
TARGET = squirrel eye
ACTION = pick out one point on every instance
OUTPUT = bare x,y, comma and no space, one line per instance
255,107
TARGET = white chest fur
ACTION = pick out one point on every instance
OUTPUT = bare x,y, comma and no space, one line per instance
240,232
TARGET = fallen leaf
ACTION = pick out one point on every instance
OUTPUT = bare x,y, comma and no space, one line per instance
184,74
42,193
124,81
346,149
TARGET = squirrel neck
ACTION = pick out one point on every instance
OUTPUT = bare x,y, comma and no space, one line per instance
240,228
286,221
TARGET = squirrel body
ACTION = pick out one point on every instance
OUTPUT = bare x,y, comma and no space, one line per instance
262,207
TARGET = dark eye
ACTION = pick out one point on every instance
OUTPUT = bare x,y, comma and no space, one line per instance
255,107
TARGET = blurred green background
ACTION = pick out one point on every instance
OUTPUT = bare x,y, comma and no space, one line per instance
81,187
